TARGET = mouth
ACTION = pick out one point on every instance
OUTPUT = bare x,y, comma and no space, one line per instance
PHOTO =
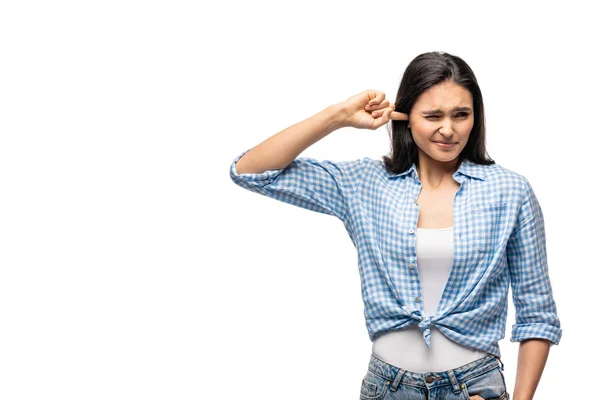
445,144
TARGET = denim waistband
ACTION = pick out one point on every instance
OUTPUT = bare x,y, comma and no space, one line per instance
430,380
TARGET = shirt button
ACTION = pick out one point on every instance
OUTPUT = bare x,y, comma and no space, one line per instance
416,201
417,299
411,231
412,266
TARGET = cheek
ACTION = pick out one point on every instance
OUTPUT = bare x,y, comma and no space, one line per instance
419,134
468,124
422,128
424,125
422,133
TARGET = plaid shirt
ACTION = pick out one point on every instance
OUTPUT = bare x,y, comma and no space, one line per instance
499,239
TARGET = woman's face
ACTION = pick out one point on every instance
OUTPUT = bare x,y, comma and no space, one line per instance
443,113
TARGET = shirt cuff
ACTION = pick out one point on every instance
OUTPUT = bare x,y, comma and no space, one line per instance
262,178
536,330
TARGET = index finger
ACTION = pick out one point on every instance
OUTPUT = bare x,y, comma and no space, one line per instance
398,116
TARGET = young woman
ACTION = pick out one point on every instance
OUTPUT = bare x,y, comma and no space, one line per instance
441,231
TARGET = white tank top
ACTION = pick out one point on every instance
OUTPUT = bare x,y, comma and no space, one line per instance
406,348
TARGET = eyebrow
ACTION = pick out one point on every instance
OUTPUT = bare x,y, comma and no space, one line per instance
440,111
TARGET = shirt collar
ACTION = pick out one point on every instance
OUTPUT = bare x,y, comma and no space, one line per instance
467,167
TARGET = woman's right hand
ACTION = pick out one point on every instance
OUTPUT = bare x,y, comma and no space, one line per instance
370,110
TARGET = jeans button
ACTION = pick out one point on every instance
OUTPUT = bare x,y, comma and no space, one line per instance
429,379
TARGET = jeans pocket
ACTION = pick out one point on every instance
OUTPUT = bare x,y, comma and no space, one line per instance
373,387
490,385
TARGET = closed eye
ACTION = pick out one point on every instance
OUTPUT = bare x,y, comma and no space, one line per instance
462,114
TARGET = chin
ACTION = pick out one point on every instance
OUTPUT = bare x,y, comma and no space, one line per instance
447,156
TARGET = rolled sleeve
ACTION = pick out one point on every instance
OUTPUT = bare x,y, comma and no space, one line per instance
321,186
535,308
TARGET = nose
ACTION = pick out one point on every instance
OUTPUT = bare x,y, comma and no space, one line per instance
446,128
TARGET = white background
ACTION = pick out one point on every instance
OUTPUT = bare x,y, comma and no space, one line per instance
131,266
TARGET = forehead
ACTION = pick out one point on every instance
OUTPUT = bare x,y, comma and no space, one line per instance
444,96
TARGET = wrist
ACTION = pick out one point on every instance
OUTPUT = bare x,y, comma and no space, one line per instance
338,116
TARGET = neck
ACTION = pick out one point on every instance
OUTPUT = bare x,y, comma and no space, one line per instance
433,173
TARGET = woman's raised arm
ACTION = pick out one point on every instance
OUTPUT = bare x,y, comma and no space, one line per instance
367,110
274,169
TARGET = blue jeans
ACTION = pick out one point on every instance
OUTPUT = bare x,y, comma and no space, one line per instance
483,377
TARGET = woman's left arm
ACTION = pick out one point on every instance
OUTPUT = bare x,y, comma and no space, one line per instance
537,326
533,354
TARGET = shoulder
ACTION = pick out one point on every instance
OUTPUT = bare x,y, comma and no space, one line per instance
496,172
372,165
376,169
512,184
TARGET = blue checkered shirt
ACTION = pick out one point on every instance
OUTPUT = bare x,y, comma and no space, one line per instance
499,239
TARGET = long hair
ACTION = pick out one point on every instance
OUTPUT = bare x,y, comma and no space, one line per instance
423,72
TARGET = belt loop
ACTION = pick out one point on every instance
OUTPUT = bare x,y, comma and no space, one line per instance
455,385
397,379
501,363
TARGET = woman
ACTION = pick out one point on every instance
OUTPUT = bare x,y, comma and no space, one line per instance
441,231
